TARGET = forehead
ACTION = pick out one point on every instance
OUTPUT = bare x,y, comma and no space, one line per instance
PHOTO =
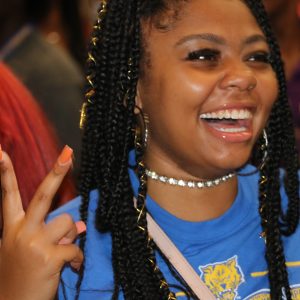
229,18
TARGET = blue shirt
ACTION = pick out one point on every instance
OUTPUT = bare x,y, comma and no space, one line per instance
227,252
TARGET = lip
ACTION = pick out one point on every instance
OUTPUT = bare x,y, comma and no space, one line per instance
232,137
242,131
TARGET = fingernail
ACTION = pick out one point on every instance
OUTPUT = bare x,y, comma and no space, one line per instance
65,156
81,227
0,152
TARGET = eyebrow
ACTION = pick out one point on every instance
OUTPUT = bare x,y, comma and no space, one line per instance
216,39
203,36
254,39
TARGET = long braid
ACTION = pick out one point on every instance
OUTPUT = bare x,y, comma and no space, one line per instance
137,280
281,153
109,114
91,135
289,155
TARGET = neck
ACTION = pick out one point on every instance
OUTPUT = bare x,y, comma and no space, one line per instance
194,204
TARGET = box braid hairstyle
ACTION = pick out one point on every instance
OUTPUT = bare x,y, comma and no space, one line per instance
114,60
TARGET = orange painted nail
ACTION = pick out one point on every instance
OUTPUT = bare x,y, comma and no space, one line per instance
81,227
65,156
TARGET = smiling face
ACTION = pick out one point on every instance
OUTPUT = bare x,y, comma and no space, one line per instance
207,87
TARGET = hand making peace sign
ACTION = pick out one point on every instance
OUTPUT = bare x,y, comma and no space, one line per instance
33,253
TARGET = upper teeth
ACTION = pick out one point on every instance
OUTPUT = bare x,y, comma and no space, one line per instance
237,114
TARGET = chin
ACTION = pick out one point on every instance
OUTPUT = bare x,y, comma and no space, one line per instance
232,162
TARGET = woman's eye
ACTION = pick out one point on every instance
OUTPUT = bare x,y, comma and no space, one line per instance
205,55
260,57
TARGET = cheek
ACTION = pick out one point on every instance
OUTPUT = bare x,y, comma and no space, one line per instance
177,79
187,88
192,79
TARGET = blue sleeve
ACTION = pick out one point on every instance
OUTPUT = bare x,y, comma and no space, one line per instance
71,208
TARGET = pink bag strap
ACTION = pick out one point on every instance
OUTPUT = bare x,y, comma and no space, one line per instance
178,261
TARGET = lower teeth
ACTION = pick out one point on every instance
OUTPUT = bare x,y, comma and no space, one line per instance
232,130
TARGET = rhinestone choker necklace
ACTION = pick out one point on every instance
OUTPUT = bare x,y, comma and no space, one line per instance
191,184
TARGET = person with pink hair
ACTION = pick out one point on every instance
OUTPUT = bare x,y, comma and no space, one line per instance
27,136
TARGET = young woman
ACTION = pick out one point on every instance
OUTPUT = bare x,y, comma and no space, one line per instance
183,96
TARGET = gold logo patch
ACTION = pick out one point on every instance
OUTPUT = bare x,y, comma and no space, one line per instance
223,278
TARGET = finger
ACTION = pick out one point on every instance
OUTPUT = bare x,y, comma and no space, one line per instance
80,228
11,200
71,254
62,226
42,199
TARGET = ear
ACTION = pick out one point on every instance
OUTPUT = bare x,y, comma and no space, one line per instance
138,100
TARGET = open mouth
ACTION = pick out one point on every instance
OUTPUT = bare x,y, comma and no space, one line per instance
229,121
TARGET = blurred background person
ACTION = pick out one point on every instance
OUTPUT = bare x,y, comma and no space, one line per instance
52,75
66,24
285,19
28,137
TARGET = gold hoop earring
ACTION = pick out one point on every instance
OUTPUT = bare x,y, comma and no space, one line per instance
141,131
146,129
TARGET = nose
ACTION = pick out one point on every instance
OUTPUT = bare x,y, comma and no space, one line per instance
238,76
